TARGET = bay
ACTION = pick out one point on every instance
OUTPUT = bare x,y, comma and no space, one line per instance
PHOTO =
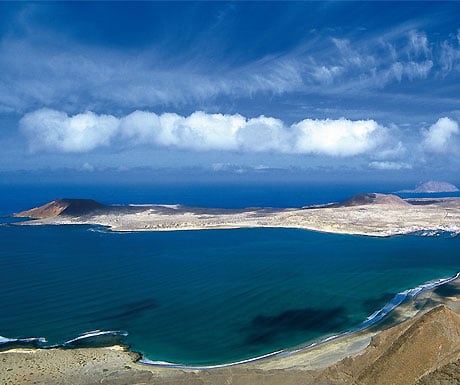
205,297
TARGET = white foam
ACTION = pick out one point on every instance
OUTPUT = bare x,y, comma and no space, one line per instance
5,340
400,297
174,365
96,333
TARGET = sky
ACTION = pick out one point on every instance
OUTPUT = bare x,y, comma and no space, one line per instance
330,90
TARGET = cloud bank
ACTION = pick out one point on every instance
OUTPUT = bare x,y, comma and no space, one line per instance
55,131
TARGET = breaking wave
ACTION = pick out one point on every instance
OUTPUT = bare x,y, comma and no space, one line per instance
94,338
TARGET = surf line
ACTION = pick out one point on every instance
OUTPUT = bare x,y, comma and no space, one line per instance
374,318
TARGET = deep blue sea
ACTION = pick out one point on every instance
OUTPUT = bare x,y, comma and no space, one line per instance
202,297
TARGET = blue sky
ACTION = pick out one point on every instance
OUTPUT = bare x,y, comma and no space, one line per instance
314,88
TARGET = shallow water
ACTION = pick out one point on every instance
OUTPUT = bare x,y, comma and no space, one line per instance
205,297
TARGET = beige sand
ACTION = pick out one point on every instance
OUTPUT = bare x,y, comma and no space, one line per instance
384,215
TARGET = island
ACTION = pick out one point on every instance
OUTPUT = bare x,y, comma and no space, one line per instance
371,214
431,187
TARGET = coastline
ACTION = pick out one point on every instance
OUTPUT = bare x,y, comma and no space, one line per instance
384,216
405,300
116,364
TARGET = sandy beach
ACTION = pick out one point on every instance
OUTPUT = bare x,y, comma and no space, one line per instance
416,343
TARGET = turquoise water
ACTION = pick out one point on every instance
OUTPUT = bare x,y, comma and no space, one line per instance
205,297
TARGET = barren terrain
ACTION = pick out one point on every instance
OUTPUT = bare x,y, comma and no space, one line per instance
365,214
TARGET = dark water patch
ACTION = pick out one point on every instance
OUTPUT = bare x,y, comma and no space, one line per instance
130,310
371,304
448,290
264,329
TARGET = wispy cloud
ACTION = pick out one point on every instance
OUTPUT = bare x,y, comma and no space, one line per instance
66,75
86,77
387,165
418,45
450,55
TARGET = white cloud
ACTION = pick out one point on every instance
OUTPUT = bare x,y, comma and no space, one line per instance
341,137
390,165
50,130
439,136
201,131
54,130
264,134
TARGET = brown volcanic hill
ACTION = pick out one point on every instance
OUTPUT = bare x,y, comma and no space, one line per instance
421,348
65,206
372,198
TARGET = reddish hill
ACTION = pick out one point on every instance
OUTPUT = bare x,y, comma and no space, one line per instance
65,206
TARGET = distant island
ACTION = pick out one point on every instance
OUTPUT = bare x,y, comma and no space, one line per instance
432,187
372,214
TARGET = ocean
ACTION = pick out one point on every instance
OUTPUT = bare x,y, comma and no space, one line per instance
200,297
